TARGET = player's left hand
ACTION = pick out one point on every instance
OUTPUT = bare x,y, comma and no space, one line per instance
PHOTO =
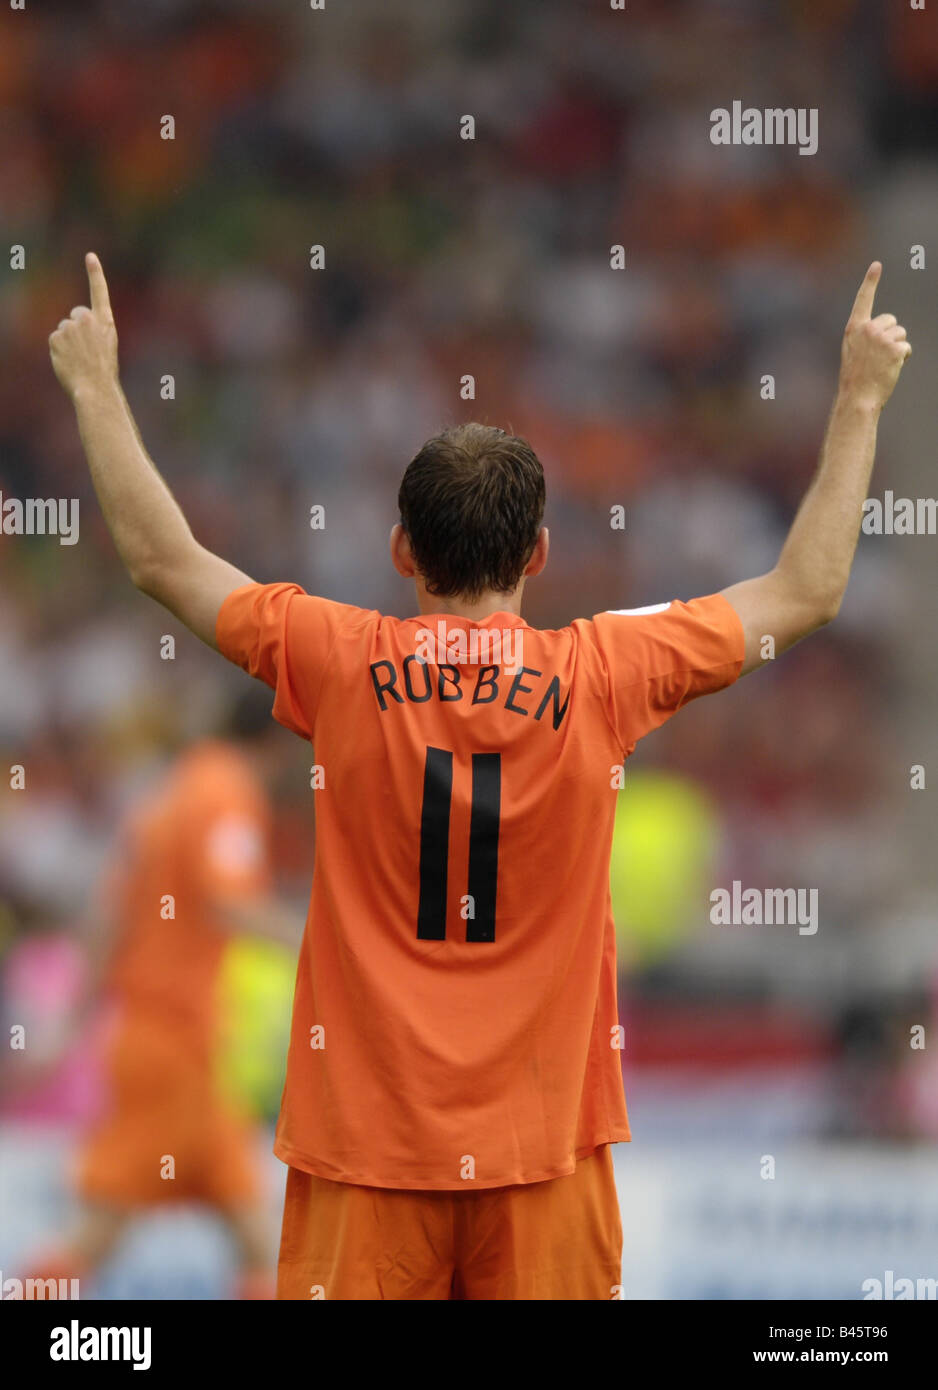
84,346
874,349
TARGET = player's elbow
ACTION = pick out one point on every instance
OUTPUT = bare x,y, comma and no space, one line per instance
827,606
156,575
145,576
808,606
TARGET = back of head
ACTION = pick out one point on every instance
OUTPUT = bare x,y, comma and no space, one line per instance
471,503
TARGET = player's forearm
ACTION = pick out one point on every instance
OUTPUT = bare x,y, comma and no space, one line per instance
147,525
806,587
149,530
817,556
815,562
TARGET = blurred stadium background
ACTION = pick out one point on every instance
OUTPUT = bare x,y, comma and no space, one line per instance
296,387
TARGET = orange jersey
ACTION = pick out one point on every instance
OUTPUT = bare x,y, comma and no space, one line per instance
198,842
455,1021
202,838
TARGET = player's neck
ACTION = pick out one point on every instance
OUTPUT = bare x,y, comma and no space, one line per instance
476,610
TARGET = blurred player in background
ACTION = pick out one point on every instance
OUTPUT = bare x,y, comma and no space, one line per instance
454,1081
193,872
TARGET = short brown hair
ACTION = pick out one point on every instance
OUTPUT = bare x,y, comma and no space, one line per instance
471,502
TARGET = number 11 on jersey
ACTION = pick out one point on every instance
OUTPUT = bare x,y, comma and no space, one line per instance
483,844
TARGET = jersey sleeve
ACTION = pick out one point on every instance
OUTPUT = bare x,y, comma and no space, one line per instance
657,659
284,637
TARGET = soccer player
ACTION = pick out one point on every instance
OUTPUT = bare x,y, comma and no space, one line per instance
193,872
453,1082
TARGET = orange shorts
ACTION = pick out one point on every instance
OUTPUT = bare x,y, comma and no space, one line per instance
168,1135
560,1239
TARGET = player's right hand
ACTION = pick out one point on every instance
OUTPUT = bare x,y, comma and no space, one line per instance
874,349
84,346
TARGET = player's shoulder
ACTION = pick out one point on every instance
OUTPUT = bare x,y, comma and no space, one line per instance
671,616
637,639
619,625
316,607
621,618
660,639
261,604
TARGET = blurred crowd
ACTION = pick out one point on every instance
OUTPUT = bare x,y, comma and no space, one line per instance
447,258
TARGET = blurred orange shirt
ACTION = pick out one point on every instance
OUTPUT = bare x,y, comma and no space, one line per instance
201,839
455,1021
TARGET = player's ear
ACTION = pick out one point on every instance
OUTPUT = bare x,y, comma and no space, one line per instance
402,557
539,554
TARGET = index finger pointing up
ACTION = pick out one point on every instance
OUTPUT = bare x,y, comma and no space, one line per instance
97,285
863,304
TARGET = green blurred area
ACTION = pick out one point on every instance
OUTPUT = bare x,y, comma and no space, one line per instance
665,840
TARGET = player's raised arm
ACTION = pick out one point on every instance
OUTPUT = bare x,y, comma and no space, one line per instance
152,536
806,587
